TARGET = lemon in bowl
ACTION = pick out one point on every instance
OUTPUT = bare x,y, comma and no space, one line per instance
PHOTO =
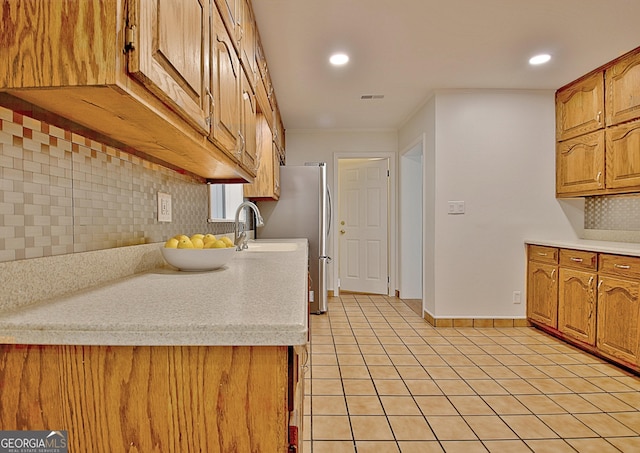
191,254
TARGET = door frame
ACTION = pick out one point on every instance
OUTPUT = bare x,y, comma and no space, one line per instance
391,213
421,143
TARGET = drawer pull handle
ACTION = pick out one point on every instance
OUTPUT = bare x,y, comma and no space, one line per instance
622,266
577,260
542,254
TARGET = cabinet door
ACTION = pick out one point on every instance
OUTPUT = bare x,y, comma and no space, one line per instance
229,13
577,304
171,55
623,89
580,164
267,181
542,293
580,107
623,156
618,318
248,138
225,79
247,33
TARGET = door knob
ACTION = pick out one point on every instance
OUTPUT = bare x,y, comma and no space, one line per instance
342,232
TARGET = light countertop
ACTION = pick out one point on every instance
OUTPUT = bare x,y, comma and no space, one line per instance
258,298
616,248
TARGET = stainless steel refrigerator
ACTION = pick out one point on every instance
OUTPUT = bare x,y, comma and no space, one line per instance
303,211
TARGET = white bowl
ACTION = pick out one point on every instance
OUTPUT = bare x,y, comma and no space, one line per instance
198,259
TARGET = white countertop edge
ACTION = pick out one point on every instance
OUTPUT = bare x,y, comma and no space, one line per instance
154,338
616,248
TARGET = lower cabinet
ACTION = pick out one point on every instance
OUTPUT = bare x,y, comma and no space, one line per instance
577,295
596,299
619,307
157,398
542,285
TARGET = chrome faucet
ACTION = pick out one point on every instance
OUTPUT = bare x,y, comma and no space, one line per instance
240,238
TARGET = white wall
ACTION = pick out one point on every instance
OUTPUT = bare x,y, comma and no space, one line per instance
494,150
321,145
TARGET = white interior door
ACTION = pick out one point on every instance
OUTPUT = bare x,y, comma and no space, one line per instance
363,225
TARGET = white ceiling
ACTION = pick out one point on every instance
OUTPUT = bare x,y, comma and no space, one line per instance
407,49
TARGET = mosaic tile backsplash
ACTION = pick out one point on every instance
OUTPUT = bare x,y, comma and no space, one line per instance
612,213
63,193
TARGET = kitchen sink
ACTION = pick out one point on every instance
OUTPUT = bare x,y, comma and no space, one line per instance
269,246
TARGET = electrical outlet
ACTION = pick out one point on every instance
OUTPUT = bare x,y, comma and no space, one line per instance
164,207
516,297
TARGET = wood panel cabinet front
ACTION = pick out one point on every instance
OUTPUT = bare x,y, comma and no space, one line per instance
131,73
619,318
623,89
577,304
150,399
580,107
542,293
267,182
171,55
580,164
623,157
226,79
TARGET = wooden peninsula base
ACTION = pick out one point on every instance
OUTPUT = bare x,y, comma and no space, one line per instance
156,398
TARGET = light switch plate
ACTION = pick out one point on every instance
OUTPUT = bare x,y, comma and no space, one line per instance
164,207
456,207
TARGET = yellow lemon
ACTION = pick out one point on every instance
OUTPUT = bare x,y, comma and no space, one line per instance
209,245
185,243
227,241
197,236
209,238
171,243
219,244
180,237
197,243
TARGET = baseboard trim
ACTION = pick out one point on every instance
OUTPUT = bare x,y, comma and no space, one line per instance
476,322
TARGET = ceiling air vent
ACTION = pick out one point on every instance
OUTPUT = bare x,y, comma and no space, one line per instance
369,97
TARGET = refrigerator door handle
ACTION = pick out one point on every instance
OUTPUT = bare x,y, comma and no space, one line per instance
325,257
330,210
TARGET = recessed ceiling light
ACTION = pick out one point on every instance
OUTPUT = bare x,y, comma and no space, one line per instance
540,59
339,59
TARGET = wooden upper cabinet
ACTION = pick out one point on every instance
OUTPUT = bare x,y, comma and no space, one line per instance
580,164
171,54
248,136
225,79
267,182
123,72
247,46
623,156
623,89
580,107
230,11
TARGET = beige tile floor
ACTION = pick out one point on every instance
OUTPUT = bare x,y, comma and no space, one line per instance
380,379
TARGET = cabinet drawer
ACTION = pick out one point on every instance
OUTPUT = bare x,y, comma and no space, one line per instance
620,266
579,259
543,254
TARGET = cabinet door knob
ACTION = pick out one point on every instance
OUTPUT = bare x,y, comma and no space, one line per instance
342,232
